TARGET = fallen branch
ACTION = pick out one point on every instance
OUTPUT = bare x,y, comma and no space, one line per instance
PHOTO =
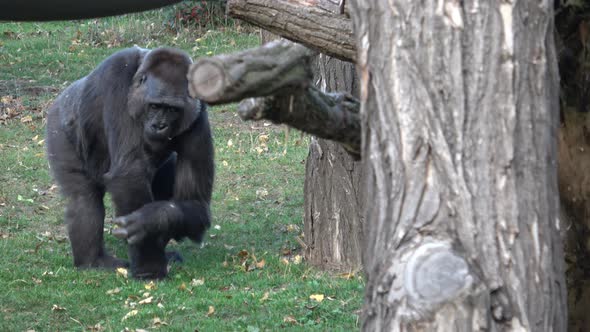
277,66
277,78
333,116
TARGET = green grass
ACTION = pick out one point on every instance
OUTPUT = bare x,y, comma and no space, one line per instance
245,277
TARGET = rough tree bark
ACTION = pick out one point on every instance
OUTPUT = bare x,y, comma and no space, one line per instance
319,24
333,190
459,147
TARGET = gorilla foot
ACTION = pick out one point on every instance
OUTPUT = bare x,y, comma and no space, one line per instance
104,262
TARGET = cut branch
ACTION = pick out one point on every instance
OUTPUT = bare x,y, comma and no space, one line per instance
279,74
311,23
262,71
333,116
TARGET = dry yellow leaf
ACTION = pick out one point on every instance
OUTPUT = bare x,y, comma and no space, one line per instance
130,314
197,282
317,297
121,271
264,297
114,291
290,320
147,300
260,264
157,322
211,311
151,286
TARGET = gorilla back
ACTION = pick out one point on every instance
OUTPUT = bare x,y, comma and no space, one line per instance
130,128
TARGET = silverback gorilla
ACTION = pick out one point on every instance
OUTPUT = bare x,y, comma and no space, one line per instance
131,129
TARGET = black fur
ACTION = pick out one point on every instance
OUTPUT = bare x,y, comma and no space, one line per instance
131,129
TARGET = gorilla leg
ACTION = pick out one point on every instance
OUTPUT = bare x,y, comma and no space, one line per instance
84,215
85,222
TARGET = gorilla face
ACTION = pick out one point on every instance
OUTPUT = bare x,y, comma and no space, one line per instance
161,123
160,99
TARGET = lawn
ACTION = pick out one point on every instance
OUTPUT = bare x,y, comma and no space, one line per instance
248,275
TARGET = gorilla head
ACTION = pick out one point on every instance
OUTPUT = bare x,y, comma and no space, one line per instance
130,128
159,98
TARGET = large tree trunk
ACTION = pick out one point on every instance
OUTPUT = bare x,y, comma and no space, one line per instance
459,116
333,198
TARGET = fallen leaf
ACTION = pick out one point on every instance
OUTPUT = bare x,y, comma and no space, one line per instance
146,300
26,119
151,286
285,261
57,308
243,253
264,297
211,311
290,319
123,272
130,314
260,264
317,297
96,328
297,259
157,322
114,291
263,138
182,287
197,282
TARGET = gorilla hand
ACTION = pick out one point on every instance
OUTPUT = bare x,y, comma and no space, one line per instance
154,219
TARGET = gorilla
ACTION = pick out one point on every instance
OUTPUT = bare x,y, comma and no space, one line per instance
131,129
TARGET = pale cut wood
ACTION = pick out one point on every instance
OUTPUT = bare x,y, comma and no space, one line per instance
277,66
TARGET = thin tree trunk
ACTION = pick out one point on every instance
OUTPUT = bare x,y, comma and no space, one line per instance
333,198
459,116
333,221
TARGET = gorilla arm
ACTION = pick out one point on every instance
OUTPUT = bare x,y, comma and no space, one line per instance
187,213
